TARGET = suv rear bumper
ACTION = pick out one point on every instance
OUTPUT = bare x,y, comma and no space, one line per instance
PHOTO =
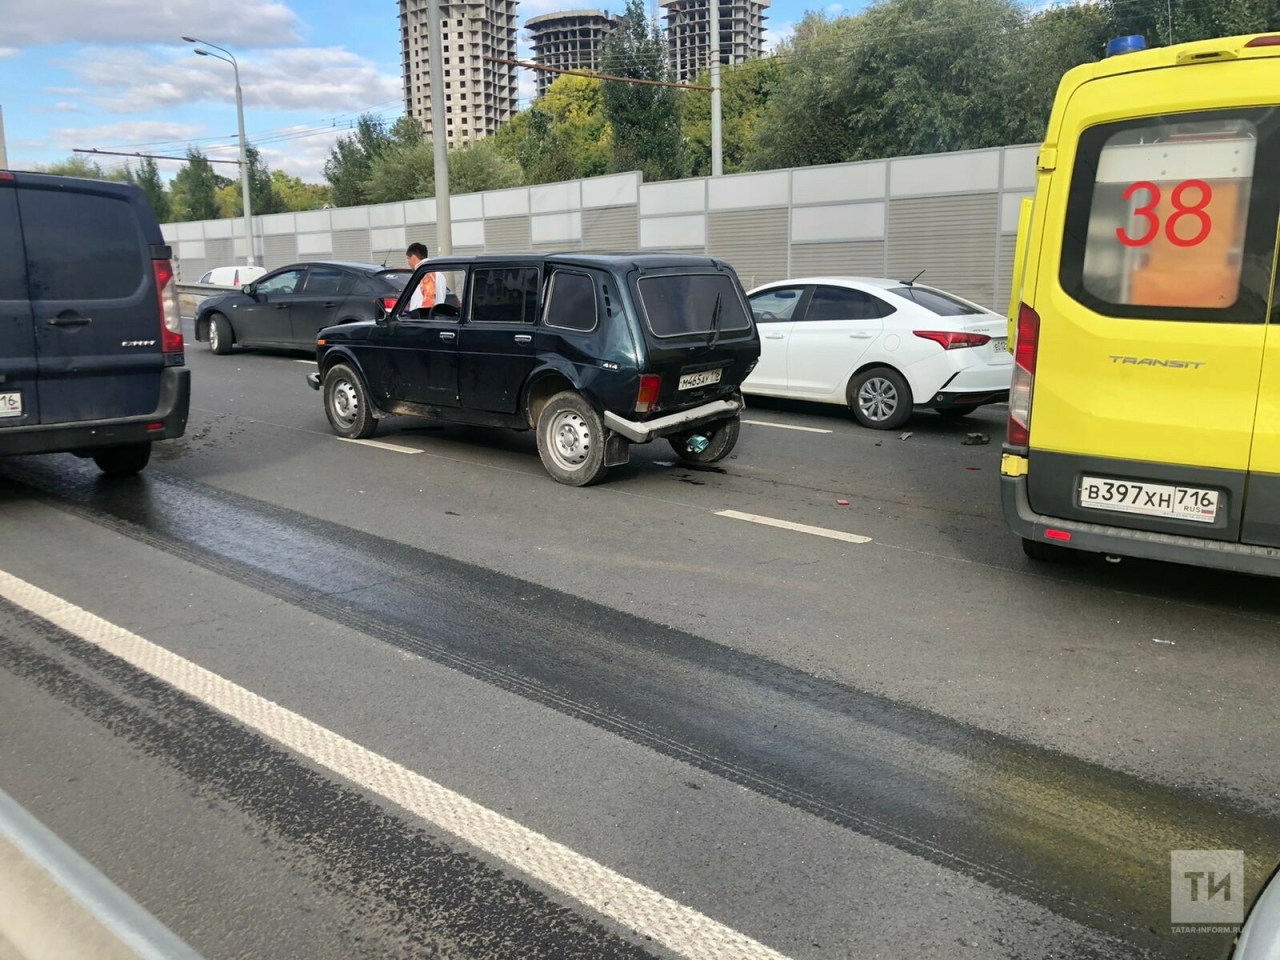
1123,542
644,431
84,435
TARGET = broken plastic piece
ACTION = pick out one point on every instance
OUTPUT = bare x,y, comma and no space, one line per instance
842,503
975,440
697,443
907,436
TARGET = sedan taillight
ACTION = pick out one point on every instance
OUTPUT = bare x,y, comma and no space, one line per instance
953,340
387,304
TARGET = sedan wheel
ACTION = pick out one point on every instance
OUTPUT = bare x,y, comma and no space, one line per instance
880,398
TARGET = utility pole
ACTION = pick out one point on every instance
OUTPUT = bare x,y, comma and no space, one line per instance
439,137
717,129
4,155
250,254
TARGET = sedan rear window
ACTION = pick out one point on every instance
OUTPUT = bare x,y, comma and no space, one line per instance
686,303
935,301
397,278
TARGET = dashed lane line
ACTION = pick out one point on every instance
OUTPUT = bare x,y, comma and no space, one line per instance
798,527
785,426
380,444
681,929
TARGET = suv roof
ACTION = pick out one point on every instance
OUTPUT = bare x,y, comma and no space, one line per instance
605,261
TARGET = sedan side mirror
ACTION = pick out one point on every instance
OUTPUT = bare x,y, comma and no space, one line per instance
247,290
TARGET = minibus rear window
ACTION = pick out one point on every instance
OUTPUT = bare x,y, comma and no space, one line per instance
1166,220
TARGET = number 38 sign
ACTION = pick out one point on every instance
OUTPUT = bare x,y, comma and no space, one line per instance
1195,213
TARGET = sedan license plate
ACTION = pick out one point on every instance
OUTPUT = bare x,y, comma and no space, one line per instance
1149,499
10,404
691,381
1001,345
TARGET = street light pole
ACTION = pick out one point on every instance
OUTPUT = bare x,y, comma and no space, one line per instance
439,135
717,123
251,257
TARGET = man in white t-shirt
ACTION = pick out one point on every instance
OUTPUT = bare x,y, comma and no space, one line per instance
432,289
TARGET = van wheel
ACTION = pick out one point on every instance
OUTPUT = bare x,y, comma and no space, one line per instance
722,437
571,440
1043,552
880,398
346,404
220,335
123,461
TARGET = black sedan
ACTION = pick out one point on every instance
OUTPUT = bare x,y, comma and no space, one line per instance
289,306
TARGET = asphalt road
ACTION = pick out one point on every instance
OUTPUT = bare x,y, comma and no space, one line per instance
303,697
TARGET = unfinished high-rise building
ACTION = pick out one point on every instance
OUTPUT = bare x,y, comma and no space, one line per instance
479,95
572,40
689,31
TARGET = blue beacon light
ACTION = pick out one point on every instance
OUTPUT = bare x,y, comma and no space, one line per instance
1129,44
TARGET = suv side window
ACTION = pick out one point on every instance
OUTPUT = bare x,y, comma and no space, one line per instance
504,294
1174,217
571,303
81,246
841,303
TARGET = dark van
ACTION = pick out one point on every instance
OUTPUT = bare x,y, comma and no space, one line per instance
91,352
594,353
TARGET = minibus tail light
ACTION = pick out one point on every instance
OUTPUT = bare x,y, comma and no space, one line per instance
1025,351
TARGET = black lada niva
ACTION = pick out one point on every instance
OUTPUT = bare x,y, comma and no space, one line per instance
594,353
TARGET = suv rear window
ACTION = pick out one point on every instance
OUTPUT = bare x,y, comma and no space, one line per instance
935,301
80,246
685,303
1166,219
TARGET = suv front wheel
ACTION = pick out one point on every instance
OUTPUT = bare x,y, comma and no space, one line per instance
346,404
571,440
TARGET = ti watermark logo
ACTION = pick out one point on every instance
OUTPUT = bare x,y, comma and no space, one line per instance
1206,891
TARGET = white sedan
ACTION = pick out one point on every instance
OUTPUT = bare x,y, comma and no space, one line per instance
883,348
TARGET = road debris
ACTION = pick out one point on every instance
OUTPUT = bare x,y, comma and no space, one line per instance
907,436
976,440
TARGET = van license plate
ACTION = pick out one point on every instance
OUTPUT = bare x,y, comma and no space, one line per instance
1149,499
691,381
10,404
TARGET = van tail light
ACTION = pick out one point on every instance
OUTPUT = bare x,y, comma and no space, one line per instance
953,340
387,304
1026,348
170,314
647,395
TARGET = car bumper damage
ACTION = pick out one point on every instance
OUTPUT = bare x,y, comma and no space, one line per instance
644,431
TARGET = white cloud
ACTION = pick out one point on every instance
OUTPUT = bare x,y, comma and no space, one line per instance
8,53
126,134
244,23
62,91
778,33
835,9
304,78
303,157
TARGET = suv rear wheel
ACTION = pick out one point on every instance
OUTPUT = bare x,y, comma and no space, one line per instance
880,398
571,440
346,404
123,461
721,437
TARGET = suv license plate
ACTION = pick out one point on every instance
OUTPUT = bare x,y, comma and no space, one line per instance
10,404
1149,499
691,381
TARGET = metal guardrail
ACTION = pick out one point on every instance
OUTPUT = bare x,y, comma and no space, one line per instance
203,289
56,904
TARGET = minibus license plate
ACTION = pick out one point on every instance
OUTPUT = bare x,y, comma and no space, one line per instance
1149,499
10,404
691,381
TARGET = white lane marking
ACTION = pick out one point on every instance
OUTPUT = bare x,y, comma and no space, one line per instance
681,929
308,362
798,527
380,445
784,426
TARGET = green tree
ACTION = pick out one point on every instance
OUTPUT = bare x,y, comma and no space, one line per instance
194,190
744,93
479,166
403,172
228,200
351,160
74,166
296,194
644,118
563,136
148,178
1191,19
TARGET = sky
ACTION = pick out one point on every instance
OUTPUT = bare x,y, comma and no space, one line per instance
115,74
